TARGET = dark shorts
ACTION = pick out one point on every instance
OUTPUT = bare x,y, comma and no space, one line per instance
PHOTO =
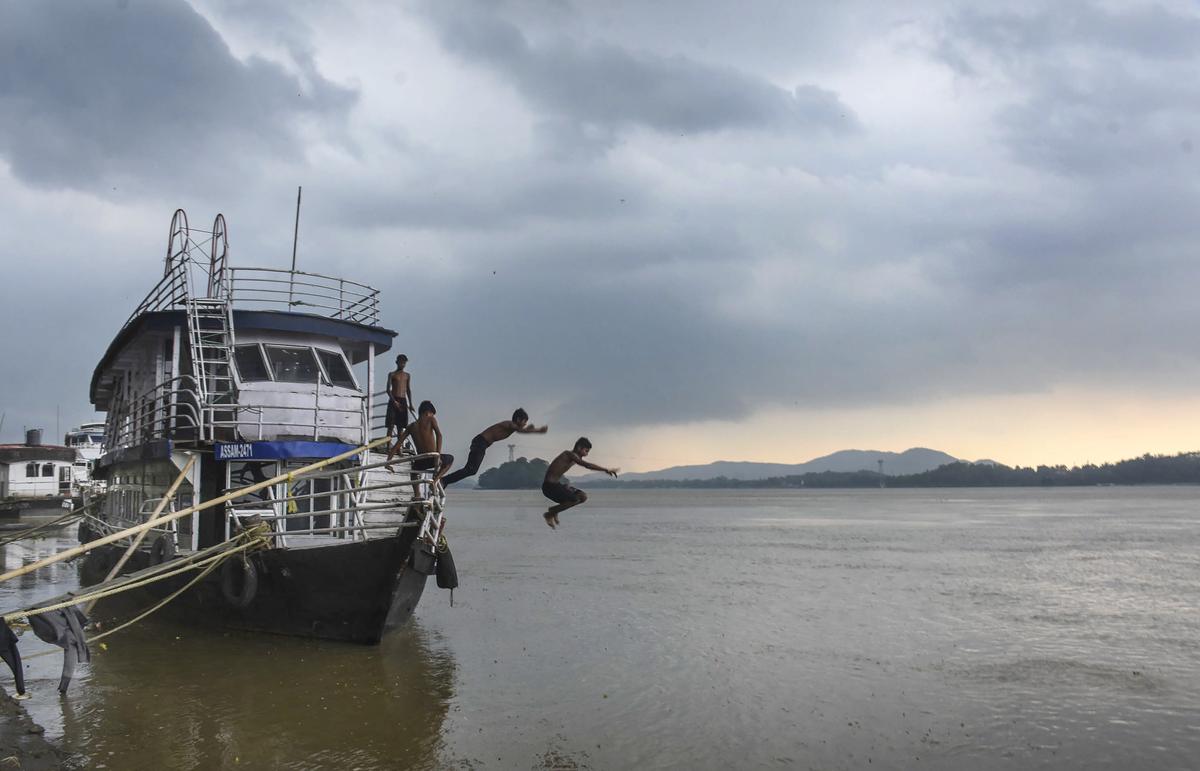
559,492
397,414
431,464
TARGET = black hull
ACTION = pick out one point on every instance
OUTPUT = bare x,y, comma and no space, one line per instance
351,591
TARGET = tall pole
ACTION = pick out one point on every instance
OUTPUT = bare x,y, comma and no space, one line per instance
295,239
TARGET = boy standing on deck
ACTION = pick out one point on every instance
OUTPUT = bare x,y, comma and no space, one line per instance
399,393
427,436
489,436
561,493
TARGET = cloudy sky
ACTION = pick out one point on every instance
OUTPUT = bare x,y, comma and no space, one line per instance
693,231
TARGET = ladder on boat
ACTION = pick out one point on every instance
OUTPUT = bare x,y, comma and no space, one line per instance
210,334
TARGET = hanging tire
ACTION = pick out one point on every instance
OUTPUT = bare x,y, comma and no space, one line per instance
239,582
163,550
447,575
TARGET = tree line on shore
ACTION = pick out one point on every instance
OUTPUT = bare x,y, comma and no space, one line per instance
1184,468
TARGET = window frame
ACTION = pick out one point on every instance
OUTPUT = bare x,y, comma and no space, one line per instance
262,355
325,373
284,346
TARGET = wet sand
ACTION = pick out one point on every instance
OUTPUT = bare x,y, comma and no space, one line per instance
23,743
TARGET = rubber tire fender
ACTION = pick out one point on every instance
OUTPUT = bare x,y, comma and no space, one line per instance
231,571
162,550
447,575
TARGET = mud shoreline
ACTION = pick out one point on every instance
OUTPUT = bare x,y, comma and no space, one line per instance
23,744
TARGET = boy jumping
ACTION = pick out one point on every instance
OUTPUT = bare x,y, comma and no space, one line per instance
563,494
489,436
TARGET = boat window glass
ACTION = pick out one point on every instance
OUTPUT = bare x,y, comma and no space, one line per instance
31,470
47,469
336,371
250,364
293,365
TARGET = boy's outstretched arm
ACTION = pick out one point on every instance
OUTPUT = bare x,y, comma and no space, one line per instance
532,429
612,472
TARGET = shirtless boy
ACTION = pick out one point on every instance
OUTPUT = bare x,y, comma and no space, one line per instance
494,433
399,391
561,493
427,436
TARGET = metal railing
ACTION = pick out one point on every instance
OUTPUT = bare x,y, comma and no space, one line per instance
355,504
173,410
169,410
269,288
170,291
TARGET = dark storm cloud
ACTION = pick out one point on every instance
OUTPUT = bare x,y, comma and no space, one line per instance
91,92
589,262
1098,91
607,85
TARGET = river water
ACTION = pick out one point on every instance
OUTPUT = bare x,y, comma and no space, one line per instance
981,629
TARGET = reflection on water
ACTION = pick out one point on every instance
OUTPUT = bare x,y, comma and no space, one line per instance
167,696
895,629
191,700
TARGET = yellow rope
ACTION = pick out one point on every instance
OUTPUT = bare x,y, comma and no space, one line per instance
220,558
128,585
155,523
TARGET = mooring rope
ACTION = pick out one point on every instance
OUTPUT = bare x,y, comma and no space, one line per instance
154,523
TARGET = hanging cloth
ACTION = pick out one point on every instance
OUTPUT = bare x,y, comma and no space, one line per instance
12,656
64,628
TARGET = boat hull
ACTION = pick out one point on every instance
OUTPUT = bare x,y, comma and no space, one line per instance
351,591
13,508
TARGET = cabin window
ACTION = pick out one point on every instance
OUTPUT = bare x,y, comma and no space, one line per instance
250,364
47,469
293,365
31,470
336,371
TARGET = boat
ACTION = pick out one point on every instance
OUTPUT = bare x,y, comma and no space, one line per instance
225,377
88,443
35,478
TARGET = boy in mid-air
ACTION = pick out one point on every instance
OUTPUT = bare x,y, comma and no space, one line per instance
494,433
563,494
427,436
399,393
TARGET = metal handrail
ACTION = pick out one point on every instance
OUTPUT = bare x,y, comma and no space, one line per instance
341,297
170,290
175,406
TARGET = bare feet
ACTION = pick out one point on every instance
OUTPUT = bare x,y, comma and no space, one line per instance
551,519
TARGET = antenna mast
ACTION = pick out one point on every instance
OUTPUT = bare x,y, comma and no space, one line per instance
295,239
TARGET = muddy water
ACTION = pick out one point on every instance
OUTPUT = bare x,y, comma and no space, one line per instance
669,629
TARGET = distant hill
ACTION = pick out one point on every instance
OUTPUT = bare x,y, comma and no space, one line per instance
912,461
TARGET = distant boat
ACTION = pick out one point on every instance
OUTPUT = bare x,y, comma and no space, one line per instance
250,372
35,478
88,443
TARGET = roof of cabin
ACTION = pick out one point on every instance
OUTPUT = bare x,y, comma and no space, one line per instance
20,453
354,337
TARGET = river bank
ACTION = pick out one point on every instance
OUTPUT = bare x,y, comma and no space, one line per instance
23,744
